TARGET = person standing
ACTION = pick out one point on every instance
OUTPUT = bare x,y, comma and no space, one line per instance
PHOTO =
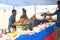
24,14
12,20
57,12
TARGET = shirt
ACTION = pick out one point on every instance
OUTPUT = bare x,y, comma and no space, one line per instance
24,16
11,20
58,17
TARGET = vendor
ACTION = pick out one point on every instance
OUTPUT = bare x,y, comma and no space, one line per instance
12,20
24,14
57,12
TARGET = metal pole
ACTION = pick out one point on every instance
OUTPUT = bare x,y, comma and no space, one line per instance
35,10
34,7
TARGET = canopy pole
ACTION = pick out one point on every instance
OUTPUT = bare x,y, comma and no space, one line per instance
34,7
35,10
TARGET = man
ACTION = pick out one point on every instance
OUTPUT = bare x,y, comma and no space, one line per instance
57,22
12,20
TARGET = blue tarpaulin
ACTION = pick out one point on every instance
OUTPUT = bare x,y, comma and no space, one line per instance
39,21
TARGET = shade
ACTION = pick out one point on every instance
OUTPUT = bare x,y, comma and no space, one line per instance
28,2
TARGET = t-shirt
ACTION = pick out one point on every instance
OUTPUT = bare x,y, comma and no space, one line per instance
11,20
24,16
58,17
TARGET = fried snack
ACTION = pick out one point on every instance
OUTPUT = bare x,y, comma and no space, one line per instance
16,23
24,22
24,28
33,17
50,18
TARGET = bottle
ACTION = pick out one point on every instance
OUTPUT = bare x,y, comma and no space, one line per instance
4,31
0,33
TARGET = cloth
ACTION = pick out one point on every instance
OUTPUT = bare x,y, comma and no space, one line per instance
24,16
11,21
58,17
38,36
57,34
50,37
39,21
